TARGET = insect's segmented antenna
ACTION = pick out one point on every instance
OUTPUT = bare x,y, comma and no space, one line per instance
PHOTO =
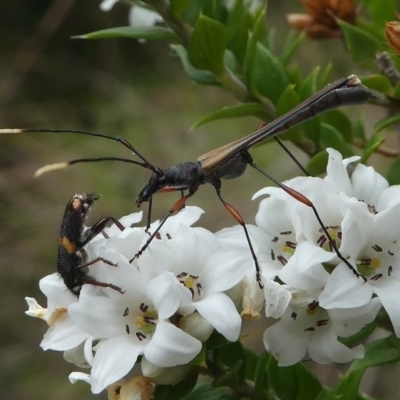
65,164
146,163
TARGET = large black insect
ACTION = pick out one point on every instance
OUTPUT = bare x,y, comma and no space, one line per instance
229,161
72,262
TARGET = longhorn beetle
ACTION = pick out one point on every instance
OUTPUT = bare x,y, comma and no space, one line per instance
229,161
72,263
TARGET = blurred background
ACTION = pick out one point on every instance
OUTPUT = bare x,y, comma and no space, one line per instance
118,87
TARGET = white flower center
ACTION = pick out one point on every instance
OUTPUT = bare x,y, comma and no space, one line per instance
190,282
144,322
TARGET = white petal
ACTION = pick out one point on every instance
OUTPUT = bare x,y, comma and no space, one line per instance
63,335
349,321
114,358
139,16
219,310
79,376
107,5
171,346
324,348
304,269
167,294
368,184
388,198
277,298
345,290
388,292
337,173
98,316
224,269
286,342
56,292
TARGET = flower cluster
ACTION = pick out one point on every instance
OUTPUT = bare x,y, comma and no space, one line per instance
190,282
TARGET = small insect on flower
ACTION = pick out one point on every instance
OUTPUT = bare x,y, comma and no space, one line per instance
72,263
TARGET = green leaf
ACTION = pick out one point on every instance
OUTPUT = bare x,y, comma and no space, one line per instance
378,82
178,391
269,76
361,44
393,175
317,164
256,36
292,43
325,75
208,392
200,76
381,14
207,45
358,129
133,32
341,122
331,137
366,331
261,382
178,8
380,352
386,123
293,383
238,25
309,85
237,110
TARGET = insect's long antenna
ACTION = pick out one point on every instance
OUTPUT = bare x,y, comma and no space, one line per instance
124,142
306,201
65,164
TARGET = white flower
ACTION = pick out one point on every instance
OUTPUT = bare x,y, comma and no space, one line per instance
188,274
128,326
306,328
62,334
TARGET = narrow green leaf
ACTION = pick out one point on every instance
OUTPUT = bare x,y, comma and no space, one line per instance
380,352
269,76
292,43
294,382
325,75
256,36
358,129
237,110
378,82
381,14
317,164
331,137
309,85
261,382
206,391
200,76
133,32
207,45
238,25
393,175
386,123
361,44
341,122
370,146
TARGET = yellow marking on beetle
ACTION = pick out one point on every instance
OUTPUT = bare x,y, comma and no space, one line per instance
68,245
